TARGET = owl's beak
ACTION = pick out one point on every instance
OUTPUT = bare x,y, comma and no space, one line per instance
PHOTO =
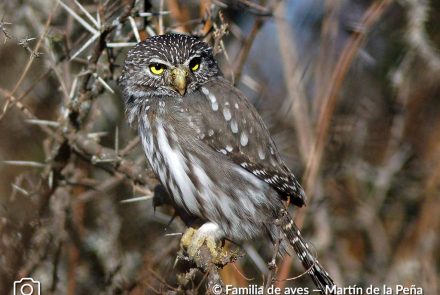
178,80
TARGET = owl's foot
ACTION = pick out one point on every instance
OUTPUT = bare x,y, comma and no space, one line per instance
202,249
208,234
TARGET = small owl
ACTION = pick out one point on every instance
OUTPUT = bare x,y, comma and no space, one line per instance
210,148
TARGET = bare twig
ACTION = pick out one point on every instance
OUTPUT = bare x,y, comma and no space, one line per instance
31,60
247,44
329,102
299,112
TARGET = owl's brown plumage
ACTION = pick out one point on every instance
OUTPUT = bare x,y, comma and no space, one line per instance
208,145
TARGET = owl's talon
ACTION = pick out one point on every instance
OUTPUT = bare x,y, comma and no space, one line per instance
186,239
208,234
198,240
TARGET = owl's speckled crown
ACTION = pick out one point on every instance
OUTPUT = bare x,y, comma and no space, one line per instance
174,48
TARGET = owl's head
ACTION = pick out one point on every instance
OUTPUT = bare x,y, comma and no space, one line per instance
170,65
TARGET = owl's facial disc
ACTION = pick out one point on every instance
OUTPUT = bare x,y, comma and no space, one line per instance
179,77
168,65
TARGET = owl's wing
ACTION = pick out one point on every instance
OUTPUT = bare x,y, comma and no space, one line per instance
235,129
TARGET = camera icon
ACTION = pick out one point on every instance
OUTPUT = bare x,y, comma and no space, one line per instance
27,286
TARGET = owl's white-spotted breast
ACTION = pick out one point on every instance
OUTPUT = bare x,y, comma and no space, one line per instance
209,147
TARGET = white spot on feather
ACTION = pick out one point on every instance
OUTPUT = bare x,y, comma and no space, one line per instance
212,98
227,114
244,139
214,106
234,126
261,153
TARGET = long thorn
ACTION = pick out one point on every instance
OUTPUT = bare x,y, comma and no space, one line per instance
43,122
21,190
161,18
150,31
137,199
72,90
95,135
134,28
103,83
87,44
147,14
89,16
121,44
79,19
117,140
25,163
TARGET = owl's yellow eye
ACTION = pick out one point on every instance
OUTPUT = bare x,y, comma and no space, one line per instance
194,64
195,67
157,69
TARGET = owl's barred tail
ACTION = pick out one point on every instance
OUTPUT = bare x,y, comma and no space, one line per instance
318,274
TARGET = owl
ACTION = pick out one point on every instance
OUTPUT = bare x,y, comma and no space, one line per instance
209,147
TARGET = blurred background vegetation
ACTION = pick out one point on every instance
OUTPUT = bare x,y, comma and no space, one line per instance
349,89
